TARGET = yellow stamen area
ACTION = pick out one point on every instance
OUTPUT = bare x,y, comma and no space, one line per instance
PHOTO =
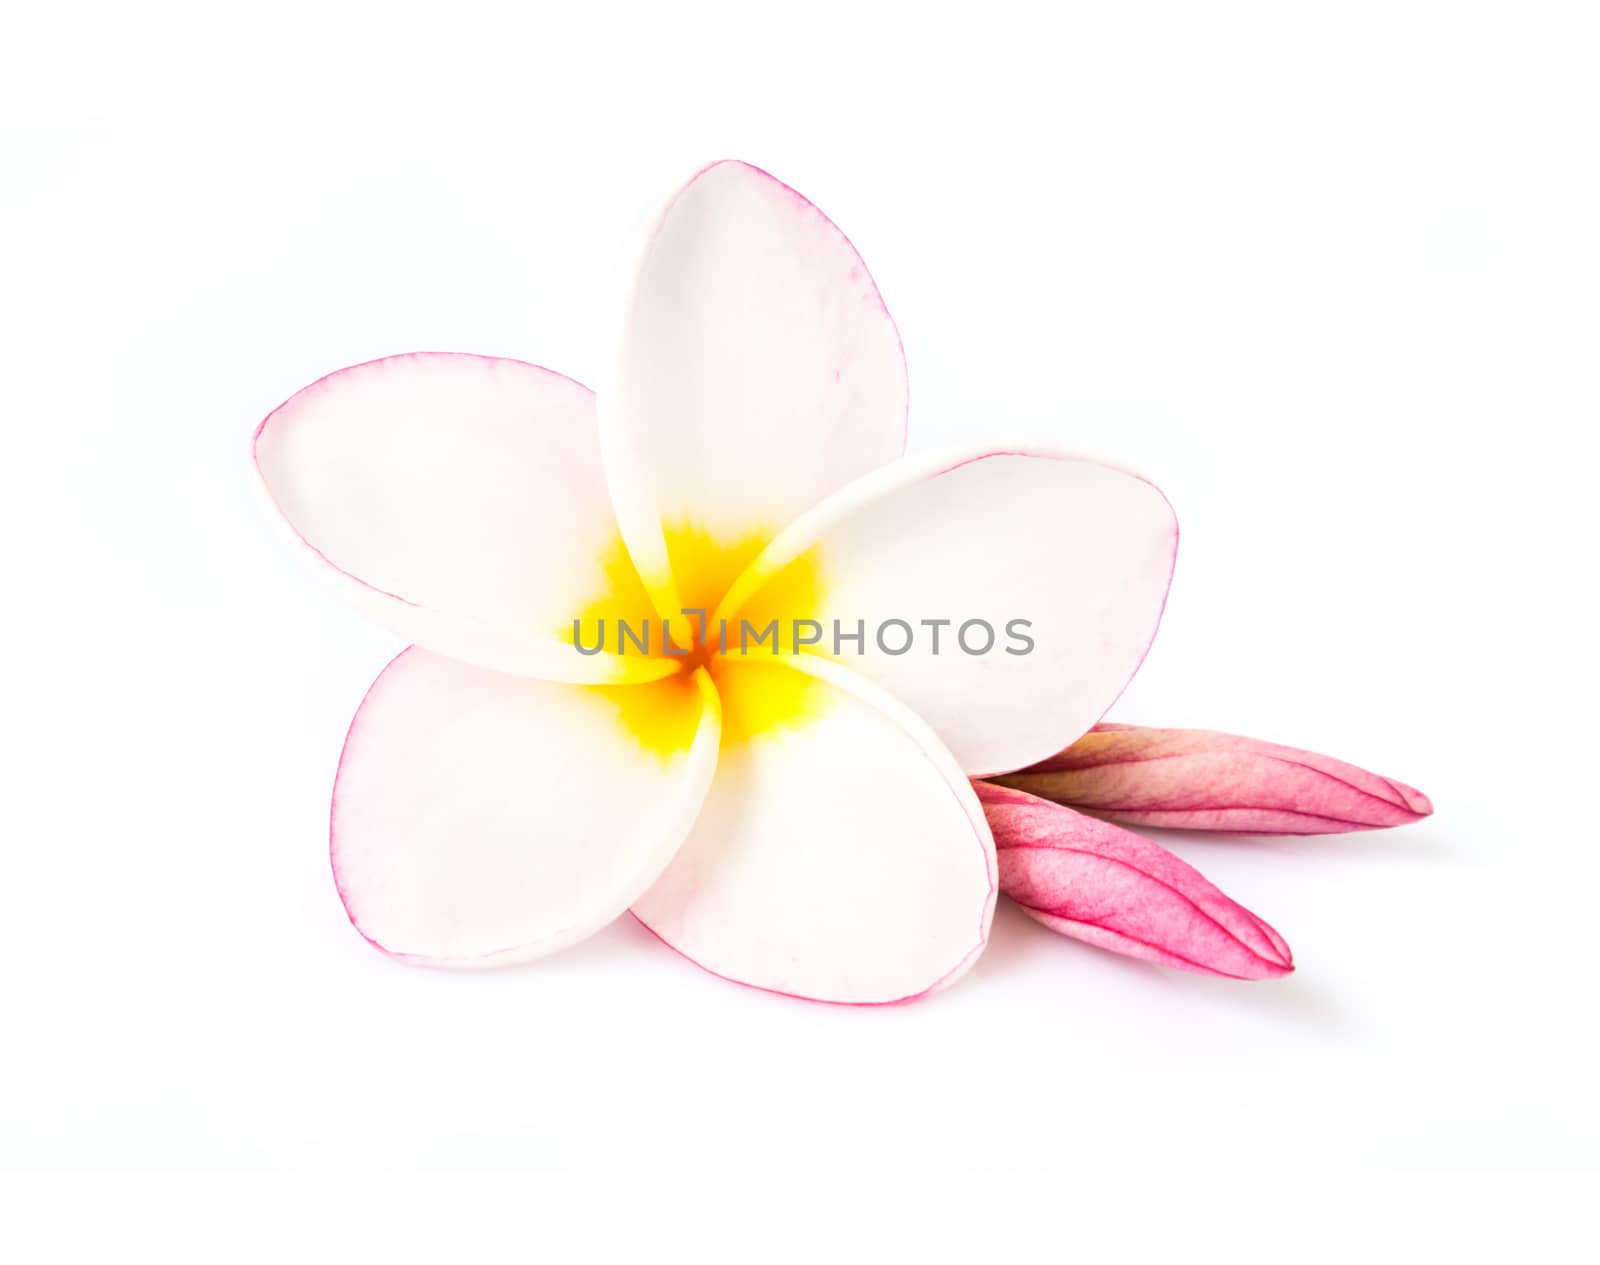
622,598
794,593
758,693
764,697
662,716
706,567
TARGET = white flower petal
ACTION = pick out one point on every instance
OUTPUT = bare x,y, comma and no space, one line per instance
481,818
460,501
759,372
840,854
1081,551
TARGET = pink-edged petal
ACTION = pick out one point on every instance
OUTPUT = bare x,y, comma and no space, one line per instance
759,371
1064,559
461,502
1195,779
840,855
481,818
1108,887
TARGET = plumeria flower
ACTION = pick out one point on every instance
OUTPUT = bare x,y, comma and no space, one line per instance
795,816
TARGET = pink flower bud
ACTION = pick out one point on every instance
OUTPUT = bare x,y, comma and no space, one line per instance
1104,885
1196,779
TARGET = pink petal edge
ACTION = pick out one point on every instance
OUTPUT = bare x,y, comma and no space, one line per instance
1198,779
1098,883
938,986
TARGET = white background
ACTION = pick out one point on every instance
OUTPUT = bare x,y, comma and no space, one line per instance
1327,274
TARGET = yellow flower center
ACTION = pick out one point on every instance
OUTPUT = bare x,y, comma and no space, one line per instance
747,653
